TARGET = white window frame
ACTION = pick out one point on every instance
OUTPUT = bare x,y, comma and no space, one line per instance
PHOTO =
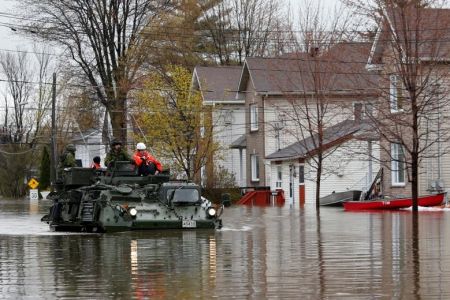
254,167
395,86
279,182
253,117
398,167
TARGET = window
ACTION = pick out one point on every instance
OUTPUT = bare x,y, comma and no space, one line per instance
397,165
255,167
368,110
277,139
228,118
279,176
362,111
301,174
396,93
357,111
182,195
253,117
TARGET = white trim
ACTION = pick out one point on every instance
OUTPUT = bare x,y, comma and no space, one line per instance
254,166
279,175
196,78
395,86
396,166
374,67
254,117
373,48
213,102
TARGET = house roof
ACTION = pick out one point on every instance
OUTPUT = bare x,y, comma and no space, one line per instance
341,69
239,143
81,136
218,83
333,135
428,27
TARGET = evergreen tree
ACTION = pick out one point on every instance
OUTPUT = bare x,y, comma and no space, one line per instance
44,170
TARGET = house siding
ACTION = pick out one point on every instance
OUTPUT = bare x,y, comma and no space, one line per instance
351,173
230,125
255,139
89,148
428,168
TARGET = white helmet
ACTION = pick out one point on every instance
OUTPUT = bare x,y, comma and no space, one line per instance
141,146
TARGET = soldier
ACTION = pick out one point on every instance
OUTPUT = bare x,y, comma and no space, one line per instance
116,153
67,159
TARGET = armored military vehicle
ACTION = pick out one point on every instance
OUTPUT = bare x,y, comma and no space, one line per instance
117,199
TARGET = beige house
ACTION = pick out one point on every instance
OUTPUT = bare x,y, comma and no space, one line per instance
277,89
218,88
427,37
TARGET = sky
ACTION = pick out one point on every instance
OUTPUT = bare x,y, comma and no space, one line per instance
9,41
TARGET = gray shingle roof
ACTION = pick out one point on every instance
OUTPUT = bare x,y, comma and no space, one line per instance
340,69
331,135
239,143
430,24
218,83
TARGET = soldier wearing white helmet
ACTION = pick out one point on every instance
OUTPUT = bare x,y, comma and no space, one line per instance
147,164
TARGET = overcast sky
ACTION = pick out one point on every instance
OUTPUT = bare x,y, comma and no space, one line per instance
9,41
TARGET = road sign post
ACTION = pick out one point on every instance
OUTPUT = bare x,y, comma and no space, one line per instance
34,194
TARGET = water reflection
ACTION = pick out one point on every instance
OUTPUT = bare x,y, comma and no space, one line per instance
415,254
261,253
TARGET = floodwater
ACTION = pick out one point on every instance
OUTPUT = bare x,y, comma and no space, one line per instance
261,253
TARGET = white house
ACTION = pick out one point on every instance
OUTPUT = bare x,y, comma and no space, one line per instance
218,88
350,164
274,88
88,145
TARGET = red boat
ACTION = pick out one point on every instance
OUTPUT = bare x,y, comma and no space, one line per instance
430,200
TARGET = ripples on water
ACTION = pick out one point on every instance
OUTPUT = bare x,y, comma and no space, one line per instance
261,253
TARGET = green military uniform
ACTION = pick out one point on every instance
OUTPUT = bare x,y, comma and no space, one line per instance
116,153
113,156
67,159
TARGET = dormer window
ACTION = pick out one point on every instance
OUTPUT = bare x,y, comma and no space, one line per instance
396,93
253,117
362,111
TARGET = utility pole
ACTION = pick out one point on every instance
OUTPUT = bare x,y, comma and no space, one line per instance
53,137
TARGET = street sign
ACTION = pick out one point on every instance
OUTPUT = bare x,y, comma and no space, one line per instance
34,194
33,183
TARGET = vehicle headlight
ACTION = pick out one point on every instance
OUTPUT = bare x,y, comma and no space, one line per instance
211,211
132,211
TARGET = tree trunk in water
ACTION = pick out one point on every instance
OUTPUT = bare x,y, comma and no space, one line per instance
415,181
318,179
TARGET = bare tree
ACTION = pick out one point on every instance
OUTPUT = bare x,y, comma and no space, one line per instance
411,53
245,28
27,104
43,95
103,39
19,79
319,71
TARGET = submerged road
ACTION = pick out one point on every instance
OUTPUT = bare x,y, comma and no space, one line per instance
261,253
